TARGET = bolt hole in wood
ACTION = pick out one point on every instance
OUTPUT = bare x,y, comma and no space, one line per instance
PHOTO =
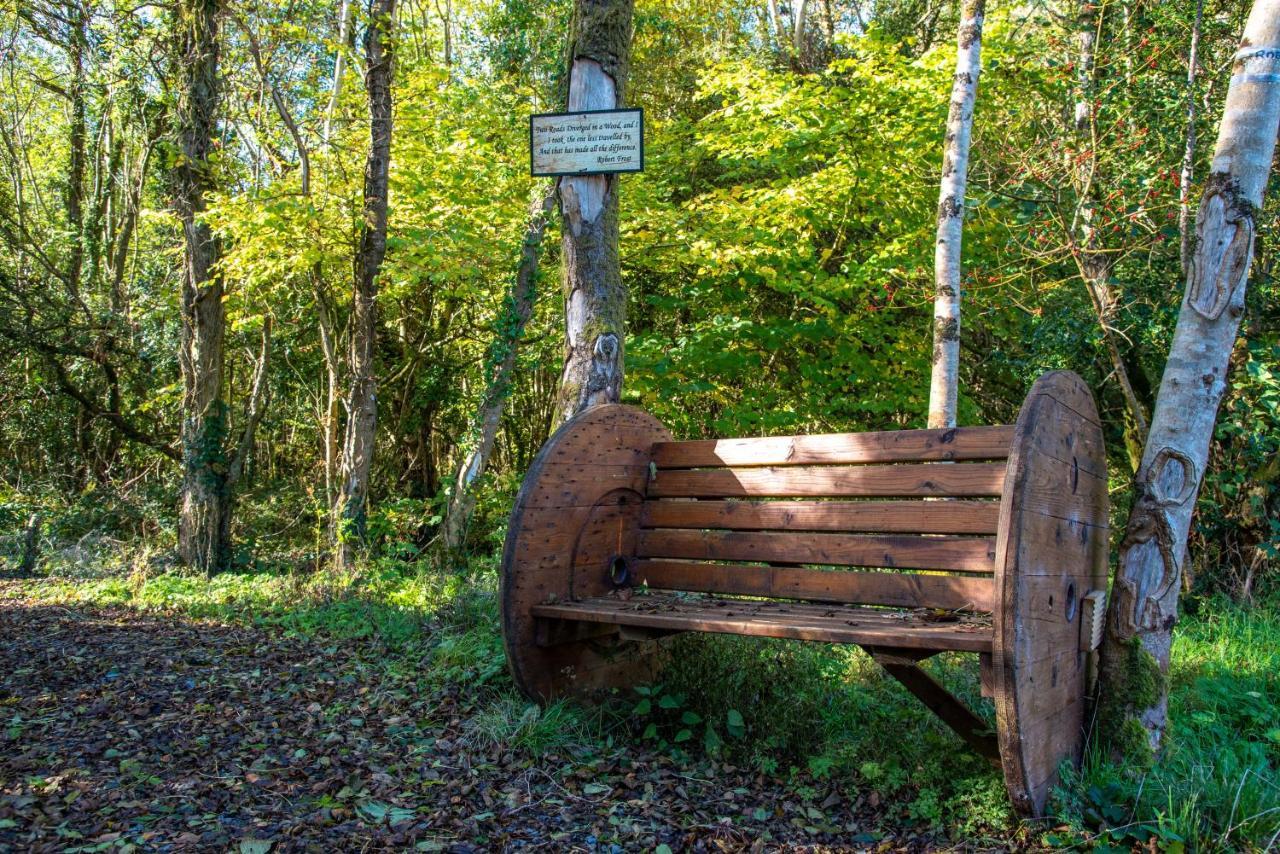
1071,602
619,571
1075,475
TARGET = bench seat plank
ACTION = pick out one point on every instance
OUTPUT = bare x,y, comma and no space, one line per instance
960,480
888,517
898,446
898,589
797,621
960,554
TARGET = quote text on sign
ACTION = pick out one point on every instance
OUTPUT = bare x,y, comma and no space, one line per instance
586,143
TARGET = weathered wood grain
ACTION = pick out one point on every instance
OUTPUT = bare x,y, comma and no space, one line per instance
960,480
798,621
898,589
959,554
972,729
691,517
1051,545
564,517
915,517
897,446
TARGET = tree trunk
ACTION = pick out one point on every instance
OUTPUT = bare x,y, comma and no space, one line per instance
946,257
339,68
516,311
595,298
801,9
30,547
77,47
204,525
1189,149
333,393
1092,261
1144,604
357,457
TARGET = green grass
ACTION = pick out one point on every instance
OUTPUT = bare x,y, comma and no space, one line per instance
1216,787
816,714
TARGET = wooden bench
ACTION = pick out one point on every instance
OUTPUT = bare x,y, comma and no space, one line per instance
986,540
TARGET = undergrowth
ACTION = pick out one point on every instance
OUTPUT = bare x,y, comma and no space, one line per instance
820,716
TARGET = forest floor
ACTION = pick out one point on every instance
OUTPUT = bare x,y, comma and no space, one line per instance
265,711
171,733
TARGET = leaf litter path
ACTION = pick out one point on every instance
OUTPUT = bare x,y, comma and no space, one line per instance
123,728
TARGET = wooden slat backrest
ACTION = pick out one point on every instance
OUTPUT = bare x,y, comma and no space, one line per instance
895,446
739,516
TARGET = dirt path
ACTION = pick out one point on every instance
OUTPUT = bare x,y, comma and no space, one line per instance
121,727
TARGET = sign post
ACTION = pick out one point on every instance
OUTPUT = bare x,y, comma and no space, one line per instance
595,142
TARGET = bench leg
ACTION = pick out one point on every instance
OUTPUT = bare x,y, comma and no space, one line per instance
903,665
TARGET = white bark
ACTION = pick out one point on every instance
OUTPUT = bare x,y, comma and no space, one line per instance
801,9
944,384
339,66
1144,604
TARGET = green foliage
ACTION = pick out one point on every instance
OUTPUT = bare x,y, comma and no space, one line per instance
1237,538
1217,784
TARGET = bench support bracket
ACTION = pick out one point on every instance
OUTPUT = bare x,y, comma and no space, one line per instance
904,665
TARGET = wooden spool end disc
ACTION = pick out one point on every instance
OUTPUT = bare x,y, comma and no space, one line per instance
1051,551
577,510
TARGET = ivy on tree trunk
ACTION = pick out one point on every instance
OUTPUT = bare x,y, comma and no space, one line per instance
204,523
357,457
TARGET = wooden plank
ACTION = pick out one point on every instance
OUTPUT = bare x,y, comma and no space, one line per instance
897,446
569,489
987,675
967,480
898,589
972,729
915,517
563,486
1051,545
828,624
959,554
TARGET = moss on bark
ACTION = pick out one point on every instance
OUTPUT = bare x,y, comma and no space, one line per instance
1134,683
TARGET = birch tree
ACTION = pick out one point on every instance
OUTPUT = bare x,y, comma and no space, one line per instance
362,408
595,298
1144,604
945,380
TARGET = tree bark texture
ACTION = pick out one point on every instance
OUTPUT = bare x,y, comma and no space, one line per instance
357,456
945,381
77,47
516,310
1144,604
595,299
204,524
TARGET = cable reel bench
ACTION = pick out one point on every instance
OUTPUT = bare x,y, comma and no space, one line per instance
986,540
